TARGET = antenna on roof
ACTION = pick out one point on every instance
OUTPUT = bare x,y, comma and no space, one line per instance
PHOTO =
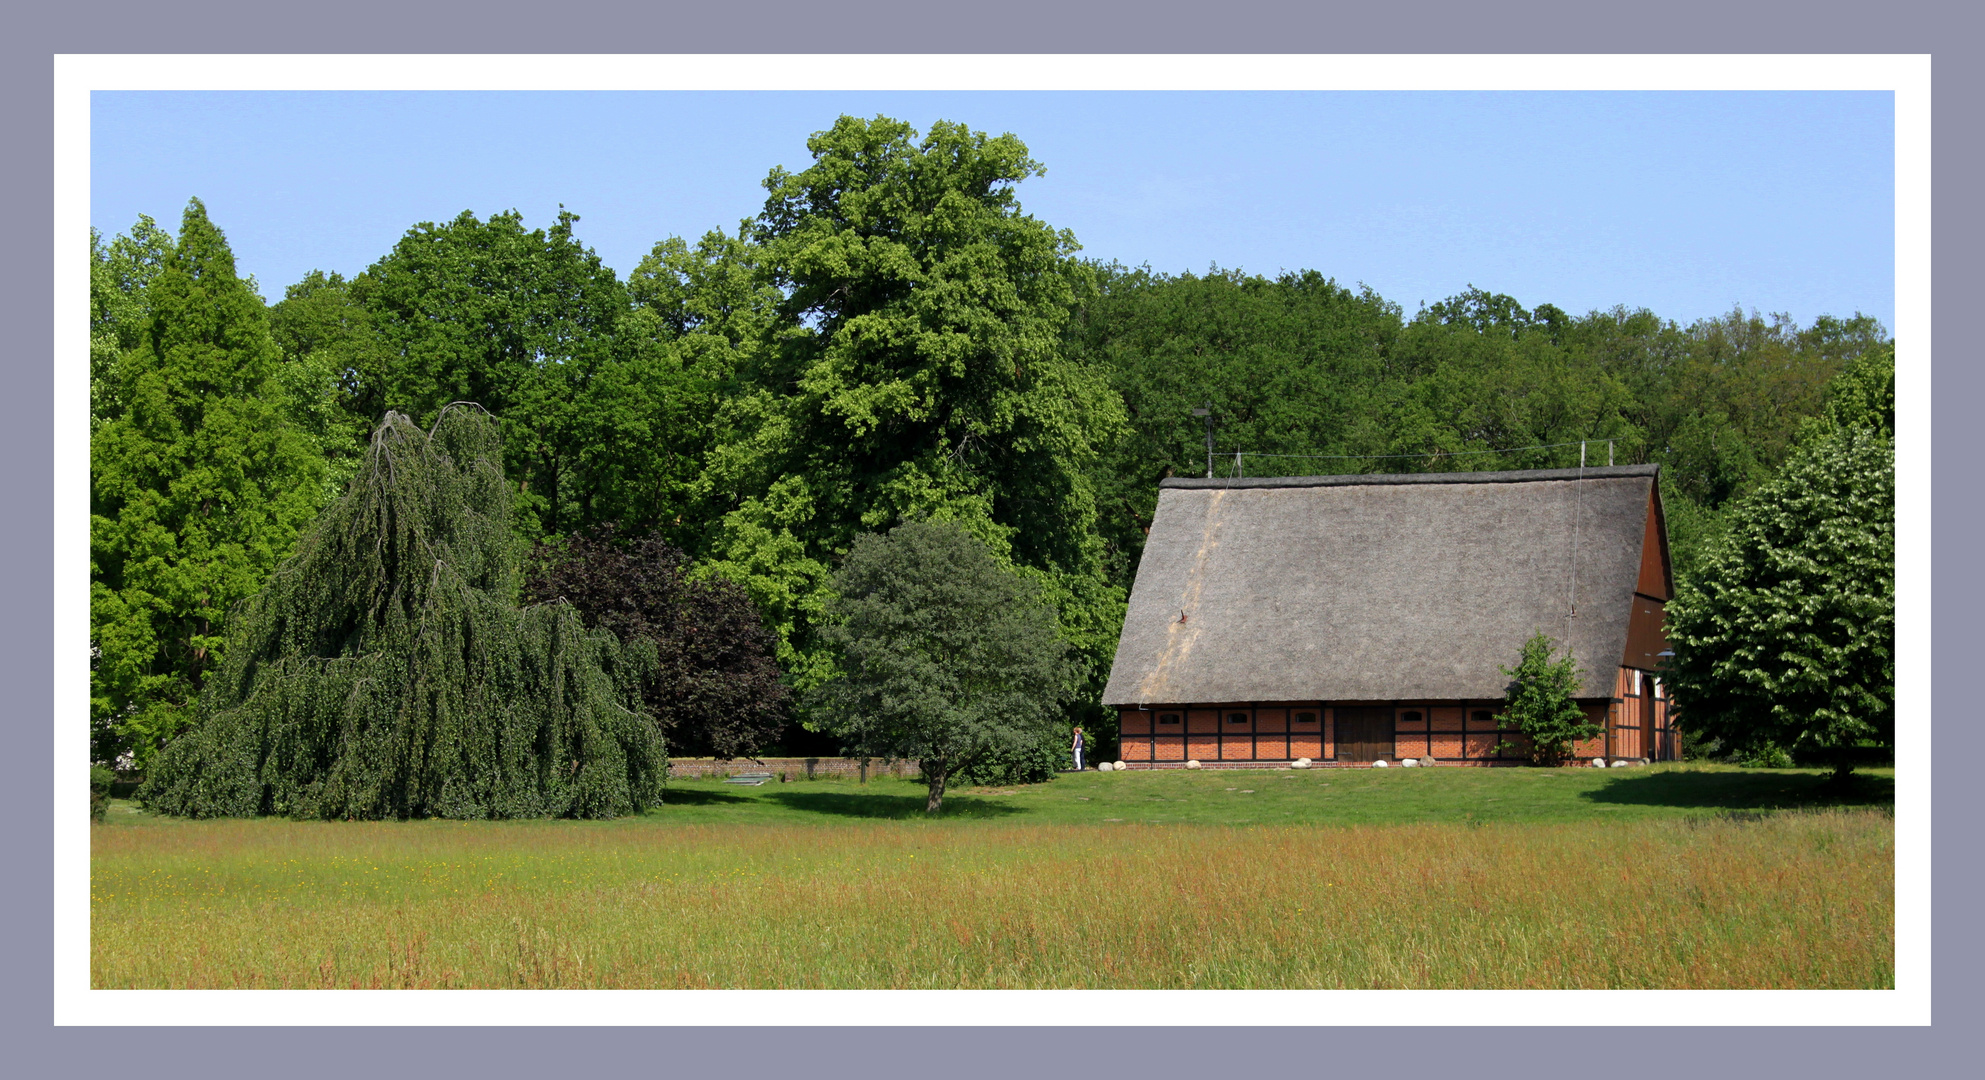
1207,412
1578,503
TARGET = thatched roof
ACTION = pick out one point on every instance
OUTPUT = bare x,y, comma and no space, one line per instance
1378,588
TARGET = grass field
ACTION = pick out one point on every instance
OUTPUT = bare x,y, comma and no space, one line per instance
1671,876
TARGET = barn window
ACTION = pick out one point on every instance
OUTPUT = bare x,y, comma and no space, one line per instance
1305,718
1657,687
1485,718
1410,717
1636,682
1237,718
1168,718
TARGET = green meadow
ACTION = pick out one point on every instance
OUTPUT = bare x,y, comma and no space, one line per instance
1679,876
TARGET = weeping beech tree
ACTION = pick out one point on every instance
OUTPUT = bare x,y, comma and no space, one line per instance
387,671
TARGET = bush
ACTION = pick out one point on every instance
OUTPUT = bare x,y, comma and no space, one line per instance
1540,703
100,781
1766,756
1027,764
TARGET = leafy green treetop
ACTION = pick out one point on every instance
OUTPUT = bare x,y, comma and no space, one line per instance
520,322
120,272
1785,638
942,656
198,487
914,368
1541,704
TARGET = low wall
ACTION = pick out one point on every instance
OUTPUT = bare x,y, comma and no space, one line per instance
791,768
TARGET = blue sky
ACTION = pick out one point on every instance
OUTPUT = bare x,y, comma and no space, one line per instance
1686,203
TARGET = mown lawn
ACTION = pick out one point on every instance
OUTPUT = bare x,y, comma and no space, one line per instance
1671,876
1292,797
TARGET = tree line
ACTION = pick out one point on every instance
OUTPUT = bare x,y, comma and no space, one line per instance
892,338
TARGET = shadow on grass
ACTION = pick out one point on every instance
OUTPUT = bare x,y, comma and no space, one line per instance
1757,789
851,804
682,796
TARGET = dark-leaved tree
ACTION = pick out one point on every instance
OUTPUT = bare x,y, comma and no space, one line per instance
386,671
942,656
715,689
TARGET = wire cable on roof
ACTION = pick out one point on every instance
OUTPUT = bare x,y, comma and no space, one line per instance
1427,454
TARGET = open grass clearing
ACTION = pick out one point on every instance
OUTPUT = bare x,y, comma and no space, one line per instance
1673,876
1800,899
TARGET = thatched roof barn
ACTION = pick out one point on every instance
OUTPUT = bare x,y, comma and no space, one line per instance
1407,590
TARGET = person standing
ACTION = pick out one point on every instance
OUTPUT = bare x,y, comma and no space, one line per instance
1077,747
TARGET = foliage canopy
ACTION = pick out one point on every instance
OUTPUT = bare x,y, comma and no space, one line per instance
912,367
943,657
1785,638
715,689
198,485
386,670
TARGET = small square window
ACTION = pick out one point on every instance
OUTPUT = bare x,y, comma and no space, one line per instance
1237,718
1305,718
1484,718
1409,717
1168,718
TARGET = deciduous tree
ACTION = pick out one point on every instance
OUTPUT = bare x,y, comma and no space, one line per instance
198,487
1786,636
941,655
715,689
520,322
1540,702
386,670
914,367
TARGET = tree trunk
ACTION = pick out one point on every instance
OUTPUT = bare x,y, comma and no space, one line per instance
1842,776
934,778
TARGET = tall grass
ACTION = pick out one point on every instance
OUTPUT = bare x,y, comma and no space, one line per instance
1779,900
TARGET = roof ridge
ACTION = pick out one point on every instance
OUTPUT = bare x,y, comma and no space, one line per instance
1512,476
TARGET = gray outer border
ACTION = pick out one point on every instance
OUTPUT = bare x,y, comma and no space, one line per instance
1950,31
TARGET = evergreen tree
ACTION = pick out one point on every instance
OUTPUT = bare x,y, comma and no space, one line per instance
197,489
387,671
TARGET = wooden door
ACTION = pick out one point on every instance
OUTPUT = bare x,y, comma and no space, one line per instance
1364,733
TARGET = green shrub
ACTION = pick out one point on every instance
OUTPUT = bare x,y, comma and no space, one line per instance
100,781
1541,705
1026,764
1767,756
